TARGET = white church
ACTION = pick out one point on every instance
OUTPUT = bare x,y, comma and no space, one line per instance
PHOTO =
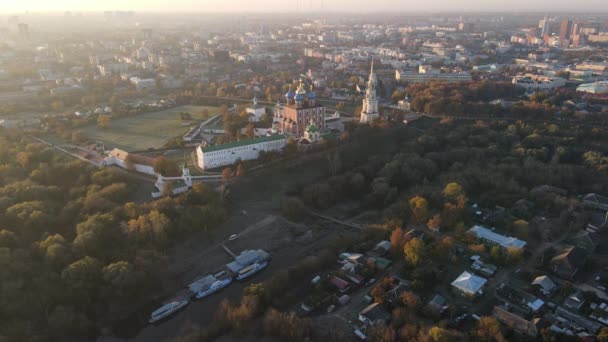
255,111
369,111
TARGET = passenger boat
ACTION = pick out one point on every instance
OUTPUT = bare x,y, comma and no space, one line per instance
167,310
251,270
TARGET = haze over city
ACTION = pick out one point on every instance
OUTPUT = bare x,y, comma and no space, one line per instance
303,6
303,171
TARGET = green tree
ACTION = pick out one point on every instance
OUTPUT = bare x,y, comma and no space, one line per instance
99,236
83,279
165,167
121,277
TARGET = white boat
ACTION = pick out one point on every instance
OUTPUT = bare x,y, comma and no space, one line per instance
212,288
167,310
251,270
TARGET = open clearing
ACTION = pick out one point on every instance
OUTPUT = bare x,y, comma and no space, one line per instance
144,131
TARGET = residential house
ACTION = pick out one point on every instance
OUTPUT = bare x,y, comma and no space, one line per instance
469,284
545,285
373,314
568,262
515,322
575,301
340,284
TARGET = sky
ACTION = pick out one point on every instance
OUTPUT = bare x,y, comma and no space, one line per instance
17,6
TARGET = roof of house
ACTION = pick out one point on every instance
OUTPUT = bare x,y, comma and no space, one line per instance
437,302
339,282
515,321
135,158
545,282
375,312
240,143
386,245
469,283
570,259
504,241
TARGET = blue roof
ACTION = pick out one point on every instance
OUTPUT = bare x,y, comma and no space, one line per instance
311,95
299,97
289,94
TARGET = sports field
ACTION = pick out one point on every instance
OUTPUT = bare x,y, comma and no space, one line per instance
150,130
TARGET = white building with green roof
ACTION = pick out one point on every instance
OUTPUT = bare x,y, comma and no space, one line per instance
211,157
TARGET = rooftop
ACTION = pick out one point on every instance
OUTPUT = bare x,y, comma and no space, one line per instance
469,283
504,241
240,143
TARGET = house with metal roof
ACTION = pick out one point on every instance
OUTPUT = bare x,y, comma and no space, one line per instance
545,285
469,284
488,235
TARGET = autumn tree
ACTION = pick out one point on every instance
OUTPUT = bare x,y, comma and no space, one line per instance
240,170
419,208
488,329
410,300
226,174
454,193
103,120
397,241
250,131
414,252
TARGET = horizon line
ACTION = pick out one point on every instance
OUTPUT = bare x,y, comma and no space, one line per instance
514,11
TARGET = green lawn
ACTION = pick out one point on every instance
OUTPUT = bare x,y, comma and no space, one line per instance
150,130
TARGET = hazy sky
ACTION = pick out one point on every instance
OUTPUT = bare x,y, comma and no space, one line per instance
15,6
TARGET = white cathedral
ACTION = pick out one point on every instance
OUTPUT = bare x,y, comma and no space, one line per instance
369,111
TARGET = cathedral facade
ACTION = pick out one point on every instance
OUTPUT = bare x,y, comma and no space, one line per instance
300,111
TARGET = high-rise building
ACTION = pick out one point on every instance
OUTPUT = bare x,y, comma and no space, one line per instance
24,31
543,25
565,29
369,111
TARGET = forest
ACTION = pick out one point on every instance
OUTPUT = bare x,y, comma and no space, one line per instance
77,257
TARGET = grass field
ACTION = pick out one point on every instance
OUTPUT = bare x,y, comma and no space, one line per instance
150,130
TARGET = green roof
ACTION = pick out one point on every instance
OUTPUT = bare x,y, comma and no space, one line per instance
312,128
242,143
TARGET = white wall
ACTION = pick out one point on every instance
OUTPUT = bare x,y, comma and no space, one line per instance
149,170
213,159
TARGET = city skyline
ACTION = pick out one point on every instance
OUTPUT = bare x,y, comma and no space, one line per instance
298,6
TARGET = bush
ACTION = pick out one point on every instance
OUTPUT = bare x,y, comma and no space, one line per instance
293,209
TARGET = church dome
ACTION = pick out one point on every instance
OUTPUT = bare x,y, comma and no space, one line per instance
289,94
301,90
311,95
299,97
312,128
